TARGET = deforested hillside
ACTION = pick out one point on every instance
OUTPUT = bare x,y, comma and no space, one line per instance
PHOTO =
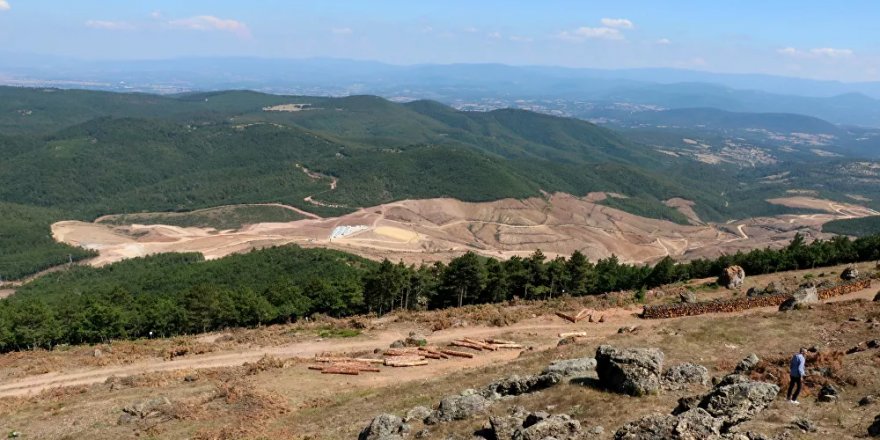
81,155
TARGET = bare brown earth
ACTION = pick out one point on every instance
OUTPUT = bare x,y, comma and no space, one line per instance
439,229
215,397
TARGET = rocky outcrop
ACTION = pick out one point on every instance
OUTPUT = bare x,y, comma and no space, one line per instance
571,367
142,411
696,424
737,399
687,297
417,413
535,426
633,371
800,299
874,429
746,365
385,427
732,277
516,385
461,407
850,273
828,394
683,375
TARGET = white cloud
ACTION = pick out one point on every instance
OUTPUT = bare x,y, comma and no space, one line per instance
495,35
109,25
596,33
212,23
156,15
4,5
663,42
618,23
342,31
471,30
819,52
831,52
521,39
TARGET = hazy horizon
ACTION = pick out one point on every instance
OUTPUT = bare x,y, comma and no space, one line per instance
783,38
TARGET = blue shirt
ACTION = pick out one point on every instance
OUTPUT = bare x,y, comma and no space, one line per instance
797,365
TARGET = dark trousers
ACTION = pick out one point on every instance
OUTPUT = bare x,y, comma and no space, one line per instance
795,380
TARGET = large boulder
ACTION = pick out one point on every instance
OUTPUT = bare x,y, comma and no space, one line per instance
748,364
802,298
633,371
516,385
696,424
570,367
385,427
732,277
462,406
535,426
828,394
850,273
417,413
874,429
687,297
877,296
737,399
683,375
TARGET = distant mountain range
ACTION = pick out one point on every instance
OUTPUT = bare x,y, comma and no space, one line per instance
458,84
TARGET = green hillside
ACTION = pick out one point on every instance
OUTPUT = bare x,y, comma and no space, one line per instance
81,154
858,227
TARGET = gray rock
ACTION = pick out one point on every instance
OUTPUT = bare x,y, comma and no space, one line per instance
504,428
417,413
542,427
696,424
874,429
687,297
800,299
516,385
877,296
747,436
737,399
415,340
682,375
850,273
148,408
633,371
385,427
804,424
570,367
828,394
867,400
461,407
400,343
748,364
732,277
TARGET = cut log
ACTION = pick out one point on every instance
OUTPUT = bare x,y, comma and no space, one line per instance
466,345
337,370
516,346
369,360
317,367
479,344
397,362
432,355
457,353
499,341
399,352
565,316
333,359
573,334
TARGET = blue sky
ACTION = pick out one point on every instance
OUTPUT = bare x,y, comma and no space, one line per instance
815,39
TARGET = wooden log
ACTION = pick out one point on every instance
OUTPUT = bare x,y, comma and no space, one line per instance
399,351
573,334
432,355
457,353
479,344
465,345
566,317
581,315
332,359
316,367
336,370
515,346
369,360
499,341
396,362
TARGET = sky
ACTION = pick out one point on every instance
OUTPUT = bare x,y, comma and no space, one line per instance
805,38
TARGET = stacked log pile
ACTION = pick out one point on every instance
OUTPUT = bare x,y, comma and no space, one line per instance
574,319
409,357
739,304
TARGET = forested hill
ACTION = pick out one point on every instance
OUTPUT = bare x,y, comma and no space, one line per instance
72,154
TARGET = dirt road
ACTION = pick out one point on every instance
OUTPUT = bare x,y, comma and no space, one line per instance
543,329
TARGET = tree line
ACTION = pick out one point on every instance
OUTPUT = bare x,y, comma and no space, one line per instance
172,294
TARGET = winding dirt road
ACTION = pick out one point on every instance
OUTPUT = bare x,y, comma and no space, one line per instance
543,328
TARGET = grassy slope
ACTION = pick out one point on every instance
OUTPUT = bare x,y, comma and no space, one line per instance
858,227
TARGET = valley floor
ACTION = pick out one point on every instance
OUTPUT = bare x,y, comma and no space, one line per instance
255,383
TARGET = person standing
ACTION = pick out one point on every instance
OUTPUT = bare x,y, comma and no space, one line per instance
796,374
